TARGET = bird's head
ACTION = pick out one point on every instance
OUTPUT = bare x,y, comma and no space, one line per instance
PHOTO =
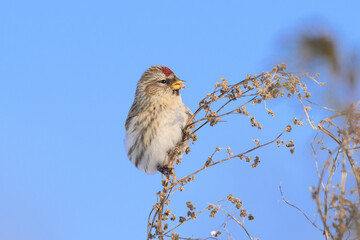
160,81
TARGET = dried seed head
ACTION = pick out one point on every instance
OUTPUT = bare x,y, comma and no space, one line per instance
256,162
178,161
290,144
174,236
243,213
271,112
190,206
167,212
292,150
288,128
166,226
239,205
214,212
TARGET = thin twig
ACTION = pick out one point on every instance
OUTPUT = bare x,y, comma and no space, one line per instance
236,220
292,205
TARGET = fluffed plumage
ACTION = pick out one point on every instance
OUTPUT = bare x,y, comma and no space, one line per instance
156,119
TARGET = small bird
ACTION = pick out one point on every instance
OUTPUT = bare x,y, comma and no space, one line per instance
156,119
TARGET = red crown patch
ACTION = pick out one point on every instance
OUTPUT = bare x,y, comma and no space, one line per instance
166,71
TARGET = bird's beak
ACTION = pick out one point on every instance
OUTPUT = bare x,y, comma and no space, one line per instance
177,84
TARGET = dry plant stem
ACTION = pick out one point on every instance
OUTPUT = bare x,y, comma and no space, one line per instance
191,121
326,190
327,232
292,205
331,173
326,108
226,159
227,231
336,139
355,171
159,211
316,163
186,238
343,209
191,218
228,113
237,221
216,111
342,200
213,164
159,221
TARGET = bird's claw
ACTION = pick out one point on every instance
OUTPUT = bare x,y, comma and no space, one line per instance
164,169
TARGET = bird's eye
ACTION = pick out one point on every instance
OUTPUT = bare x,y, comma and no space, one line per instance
163,81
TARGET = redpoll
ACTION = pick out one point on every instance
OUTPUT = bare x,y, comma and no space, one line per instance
156,119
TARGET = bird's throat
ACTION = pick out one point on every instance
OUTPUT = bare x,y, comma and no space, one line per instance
176,92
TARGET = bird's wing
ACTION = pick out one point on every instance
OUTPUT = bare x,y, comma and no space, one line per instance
188,112
132,113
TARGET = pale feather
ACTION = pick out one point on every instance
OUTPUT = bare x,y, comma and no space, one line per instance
171,121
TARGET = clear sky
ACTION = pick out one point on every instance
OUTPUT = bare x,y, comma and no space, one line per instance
68,72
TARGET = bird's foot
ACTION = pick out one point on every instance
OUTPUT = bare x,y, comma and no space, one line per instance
164,169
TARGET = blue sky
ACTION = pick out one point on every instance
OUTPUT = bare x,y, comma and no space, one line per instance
68,72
